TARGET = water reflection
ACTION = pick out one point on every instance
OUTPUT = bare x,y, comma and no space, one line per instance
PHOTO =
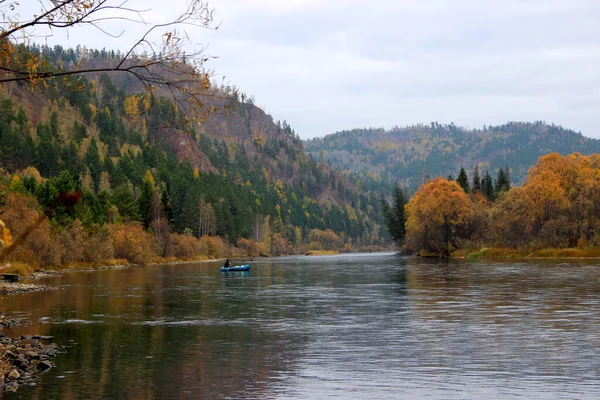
351,326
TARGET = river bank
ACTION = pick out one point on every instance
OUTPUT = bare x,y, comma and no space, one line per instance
501,253
22,358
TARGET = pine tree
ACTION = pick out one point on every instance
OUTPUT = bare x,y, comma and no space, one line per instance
502,181
47,151
476,186
70,158
145,199
53,125
394,216
165,200
122,198
487,186
109,166
93,162
463,180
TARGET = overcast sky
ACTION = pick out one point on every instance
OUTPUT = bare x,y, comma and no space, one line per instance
329,65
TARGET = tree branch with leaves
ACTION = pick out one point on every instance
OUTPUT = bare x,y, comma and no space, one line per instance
160,59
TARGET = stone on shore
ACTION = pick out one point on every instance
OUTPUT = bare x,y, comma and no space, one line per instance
44,365
13,375
21,358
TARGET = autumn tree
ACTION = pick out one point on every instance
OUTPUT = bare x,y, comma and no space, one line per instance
509,228
163,59
324,240
207,221
437,217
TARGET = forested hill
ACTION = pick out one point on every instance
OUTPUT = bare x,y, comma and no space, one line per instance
236,174
414,153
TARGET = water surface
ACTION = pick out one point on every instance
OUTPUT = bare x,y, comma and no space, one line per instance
371,326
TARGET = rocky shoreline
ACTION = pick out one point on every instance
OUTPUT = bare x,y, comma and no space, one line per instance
17,288
23,358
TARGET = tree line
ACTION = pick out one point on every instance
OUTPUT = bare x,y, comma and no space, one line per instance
395,213
97,140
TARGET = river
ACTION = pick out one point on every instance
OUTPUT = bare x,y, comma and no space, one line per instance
364,326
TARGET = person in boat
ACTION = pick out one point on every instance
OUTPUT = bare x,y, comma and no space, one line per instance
227,263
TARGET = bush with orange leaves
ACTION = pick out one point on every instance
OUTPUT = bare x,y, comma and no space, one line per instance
252,248
76,245
211,246
184,247
132,242
280,245
20,212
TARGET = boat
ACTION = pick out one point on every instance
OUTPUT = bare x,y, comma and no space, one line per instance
236,268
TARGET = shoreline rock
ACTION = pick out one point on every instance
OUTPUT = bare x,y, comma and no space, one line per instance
22,359
18,288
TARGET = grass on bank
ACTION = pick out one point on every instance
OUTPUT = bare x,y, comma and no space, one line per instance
322,253
499,253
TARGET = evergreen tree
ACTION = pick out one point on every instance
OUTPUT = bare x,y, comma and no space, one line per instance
394,216
122,198
53,125
145,199
93,162
463,180
48,152
166,204
502,181
476,186
30,184
108,164
70,158
21,119
487,186
29,152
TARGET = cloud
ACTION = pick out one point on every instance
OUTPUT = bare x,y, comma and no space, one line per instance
327,65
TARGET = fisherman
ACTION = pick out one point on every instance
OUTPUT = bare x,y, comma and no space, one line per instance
227,263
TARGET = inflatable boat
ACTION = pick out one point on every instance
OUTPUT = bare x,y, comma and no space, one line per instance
236,268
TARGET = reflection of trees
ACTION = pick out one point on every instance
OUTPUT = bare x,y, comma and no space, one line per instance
219,353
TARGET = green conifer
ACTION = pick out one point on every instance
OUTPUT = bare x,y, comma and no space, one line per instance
476,185
487,186
502,181
463,180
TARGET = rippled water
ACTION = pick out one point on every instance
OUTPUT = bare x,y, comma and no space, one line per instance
370,326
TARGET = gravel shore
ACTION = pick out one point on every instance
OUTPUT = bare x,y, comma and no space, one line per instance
17,288
22,358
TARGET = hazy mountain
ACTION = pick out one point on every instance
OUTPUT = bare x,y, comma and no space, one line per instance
411,154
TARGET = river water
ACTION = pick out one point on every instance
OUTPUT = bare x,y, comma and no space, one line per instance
366,326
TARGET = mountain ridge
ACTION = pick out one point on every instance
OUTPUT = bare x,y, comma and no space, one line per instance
411,154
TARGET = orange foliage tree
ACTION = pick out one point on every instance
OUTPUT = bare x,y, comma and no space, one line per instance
558,206
437,217
132,242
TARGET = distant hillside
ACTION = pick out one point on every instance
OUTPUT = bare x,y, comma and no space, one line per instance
411,154
250,172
